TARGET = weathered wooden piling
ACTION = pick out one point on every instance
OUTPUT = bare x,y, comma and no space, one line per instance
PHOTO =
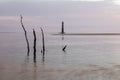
28,49
64,48
43,41
34,46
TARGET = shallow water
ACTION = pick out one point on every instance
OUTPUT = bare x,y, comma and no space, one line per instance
85,58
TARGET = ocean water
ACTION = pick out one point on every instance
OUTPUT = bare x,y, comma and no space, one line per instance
85,58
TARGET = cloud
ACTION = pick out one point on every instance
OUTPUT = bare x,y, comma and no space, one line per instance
2,1
116,2
8,18
88,0
78,15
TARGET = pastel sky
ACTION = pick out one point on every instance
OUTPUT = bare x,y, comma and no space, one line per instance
78,15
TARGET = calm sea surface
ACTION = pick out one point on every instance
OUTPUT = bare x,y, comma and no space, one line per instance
86,57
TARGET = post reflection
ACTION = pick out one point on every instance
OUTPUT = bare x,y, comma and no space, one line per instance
62,37
43,57
35,71
24,68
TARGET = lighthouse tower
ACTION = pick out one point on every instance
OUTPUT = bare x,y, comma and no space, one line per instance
62,30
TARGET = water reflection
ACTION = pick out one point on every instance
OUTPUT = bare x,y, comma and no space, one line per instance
28,70
64,58
43,59
62,37
34,57
26,61
35,71
24,68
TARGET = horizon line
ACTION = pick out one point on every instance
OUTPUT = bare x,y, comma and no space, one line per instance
90,33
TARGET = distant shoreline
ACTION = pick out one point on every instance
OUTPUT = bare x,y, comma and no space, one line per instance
88,34
73,33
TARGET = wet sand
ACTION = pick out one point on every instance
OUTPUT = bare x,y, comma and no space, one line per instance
44,72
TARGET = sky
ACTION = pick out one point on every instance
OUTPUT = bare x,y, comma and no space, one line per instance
78,15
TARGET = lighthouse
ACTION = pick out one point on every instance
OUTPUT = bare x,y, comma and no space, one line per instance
62,31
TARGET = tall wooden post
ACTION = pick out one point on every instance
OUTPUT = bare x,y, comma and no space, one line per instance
34,47
43,41
28,48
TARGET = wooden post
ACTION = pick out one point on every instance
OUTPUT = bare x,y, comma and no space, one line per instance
64,48
43,41
28,49
34,47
